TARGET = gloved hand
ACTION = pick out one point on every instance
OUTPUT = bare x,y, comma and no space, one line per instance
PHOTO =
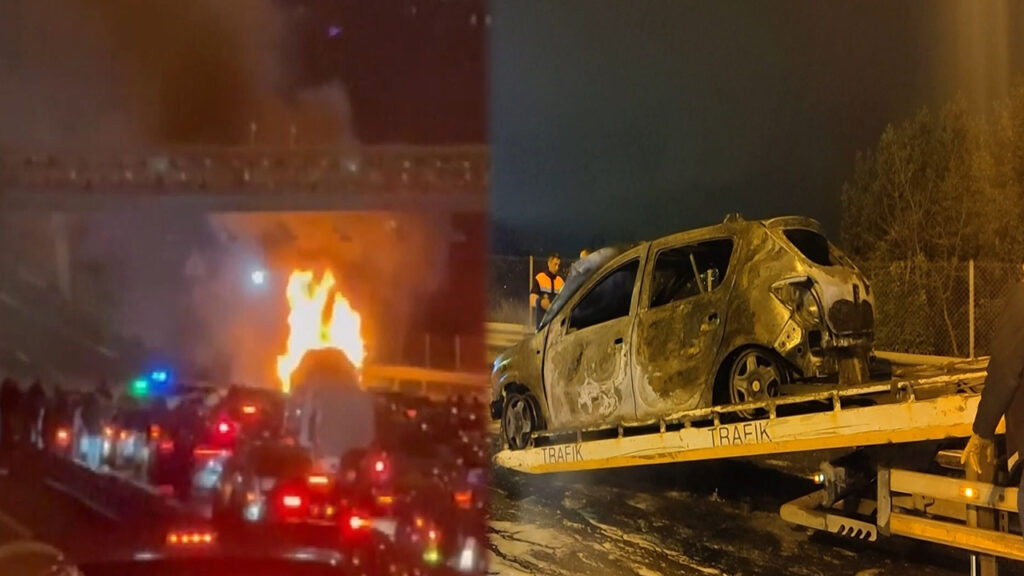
978,450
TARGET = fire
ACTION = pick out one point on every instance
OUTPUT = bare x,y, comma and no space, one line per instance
319,318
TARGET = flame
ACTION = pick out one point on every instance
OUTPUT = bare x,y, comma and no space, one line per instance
319,318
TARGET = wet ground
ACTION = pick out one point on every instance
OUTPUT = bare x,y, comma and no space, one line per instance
698,518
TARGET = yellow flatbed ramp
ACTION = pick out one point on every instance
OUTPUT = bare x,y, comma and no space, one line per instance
910,414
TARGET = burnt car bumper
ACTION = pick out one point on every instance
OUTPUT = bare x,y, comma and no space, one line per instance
849,317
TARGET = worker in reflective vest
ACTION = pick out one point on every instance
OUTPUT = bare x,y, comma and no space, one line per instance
1003,395
546,285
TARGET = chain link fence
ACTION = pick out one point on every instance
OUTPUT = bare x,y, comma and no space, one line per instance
920,308
946,309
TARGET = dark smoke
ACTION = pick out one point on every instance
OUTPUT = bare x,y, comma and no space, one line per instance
118,76
120,73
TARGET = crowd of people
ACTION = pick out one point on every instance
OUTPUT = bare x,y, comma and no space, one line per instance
31,418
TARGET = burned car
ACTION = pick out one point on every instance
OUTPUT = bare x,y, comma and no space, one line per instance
720,315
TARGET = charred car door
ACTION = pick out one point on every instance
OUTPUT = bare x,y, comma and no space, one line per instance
586,364
679,324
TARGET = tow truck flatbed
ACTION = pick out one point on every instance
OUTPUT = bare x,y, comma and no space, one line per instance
930,404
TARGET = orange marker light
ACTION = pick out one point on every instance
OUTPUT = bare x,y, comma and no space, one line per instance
248,409
318,480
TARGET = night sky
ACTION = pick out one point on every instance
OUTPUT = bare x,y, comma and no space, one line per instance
622,120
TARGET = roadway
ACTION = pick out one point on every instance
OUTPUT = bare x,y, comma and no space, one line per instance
705,518
47,502
701,518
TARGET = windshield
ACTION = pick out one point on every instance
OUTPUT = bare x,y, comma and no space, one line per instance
583,271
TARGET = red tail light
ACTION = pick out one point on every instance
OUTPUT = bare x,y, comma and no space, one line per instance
463,499
380,466
223,427
248,409
154,432
291,501
318,480
165,447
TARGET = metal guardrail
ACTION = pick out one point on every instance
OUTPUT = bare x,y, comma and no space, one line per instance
501,335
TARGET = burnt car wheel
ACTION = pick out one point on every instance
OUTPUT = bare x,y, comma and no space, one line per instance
755,375
518,421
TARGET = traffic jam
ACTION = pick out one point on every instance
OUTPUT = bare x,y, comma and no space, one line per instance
324,465
234,464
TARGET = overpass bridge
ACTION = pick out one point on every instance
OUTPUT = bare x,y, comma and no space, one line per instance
452,179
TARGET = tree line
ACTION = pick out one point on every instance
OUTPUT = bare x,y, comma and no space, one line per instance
939,189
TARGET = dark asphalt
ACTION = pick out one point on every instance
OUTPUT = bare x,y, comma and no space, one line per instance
41,501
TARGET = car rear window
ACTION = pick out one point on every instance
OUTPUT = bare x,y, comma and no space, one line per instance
812,245
281,461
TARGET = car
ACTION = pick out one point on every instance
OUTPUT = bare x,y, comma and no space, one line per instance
273,483
725,314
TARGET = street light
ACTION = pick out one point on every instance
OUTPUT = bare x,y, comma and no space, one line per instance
258,277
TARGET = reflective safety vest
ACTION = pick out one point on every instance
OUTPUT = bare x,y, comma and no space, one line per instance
544,283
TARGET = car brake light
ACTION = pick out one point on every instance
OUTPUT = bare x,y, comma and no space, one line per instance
318,480
248,409
62,437
223,427
165,446
291,501
433,535
379,466
463,498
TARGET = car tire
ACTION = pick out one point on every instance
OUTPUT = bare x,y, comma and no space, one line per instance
756,374
518,421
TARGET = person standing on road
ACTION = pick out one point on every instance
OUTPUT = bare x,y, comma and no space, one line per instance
577,266
92,427
546,285
10,395
55,416
34,406
1002,395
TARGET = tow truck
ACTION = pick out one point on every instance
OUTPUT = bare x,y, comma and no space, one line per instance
881,486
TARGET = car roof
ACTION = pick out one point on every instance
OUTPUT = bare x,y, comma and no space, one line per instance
734,223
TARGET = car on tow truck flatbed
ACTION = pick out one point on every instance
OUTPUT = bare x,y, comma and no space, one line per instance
720,315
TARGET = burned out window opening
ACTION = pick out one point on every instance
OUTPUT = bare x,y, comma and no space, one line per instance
684,272
811,244
609,299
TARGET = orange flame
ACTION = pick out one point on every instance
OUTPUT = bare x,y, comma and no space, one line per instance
319,318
